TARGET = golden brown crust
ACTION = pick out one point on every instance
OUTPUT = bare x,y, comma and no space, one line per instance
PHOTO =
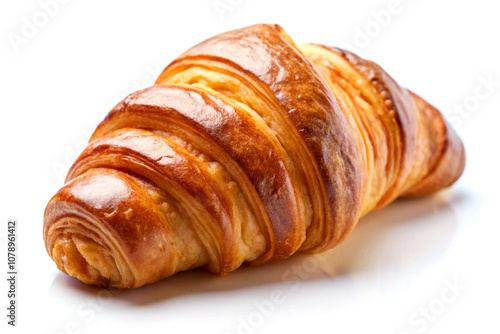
248,149
323,148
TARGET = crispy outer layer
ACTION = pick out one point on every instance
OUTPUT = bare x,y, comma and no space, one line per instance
248,149
226,132
266,59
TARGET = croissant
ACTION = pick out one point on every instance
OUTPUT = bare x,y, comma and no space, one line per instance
247,149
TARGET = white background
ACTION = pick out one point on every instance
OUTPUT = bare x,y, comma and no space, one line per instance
398,263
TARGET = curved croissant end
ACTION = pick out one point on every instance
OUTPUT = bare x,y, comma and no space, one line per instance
248,149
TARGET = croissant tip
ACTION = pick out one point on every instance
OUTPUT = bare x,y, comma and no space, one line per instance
73,257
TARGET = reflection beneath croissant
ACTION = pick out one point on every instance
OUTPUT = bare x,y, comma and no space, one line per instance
378,251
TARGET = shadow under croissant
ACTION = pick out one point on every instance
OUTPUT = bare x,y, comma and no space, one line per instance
379,246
